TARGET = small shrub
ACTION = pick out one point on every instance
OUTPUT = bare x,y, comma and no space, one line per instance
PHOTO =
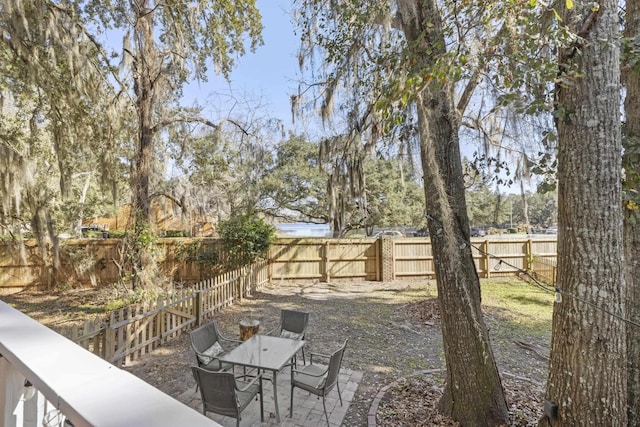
205,255
246,238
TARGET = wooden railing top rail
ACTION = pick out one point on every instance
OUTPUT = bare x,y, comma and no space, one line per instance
75,379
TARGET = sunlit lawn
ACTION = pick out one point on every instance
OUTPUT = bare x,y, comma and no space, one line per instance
525,307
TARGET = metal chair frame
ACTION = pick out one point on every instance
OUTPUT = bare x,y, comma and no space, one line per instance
293,321
317,379
223,394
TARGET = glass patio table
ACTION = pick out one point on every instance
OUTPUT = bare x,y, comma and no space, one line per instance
266,353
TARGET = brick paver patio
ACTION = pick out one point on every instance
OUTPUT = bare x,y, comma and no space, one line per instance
307,408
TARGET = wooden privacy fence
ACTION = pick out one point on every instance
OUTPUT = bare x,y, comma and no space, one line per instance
130,332
389,259
545,269
92,261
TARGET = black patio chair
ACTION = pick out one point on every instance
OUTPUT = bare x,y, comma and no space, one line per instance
208,344
319,379
293,325
223,394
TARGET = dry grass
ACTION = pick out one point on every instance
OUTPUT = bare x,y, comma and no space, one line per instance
394,330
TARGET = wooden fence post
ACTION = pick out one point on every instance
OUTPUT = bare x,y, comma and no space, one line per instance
159,319
485,258
327,262
239,287
528,256
378,260
246,291
110,339
198,306
270,258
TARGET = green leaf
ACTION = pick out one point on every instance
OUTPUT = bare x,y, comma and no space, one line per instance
555,13
569,4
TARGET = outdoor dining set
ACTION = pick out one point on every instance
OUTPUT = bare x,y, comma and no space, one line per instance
227,391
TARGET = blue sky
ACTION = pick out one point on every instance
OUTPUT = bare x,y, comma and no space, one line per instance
268,75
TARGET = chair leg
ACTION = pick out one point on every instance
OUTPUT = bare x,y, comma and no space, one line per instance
339,394
261,402
325,410
291,403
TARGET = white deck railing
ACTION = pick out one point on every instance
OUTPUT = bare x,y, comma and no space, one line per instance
74,384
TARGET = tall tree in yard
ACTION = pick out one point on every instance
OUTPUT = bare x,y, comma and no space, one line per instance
587,384
396,63
167,44
469,357
631,201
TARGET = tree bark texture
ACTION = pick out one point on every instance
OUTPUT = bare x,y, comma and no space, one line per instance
146,70
632,257
473,392
631,162
587,373
144,103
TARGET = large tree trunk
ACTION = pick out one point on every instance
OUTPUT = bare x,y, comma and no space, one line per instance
587,375
497,210
145,72
473,392
631,162
632,255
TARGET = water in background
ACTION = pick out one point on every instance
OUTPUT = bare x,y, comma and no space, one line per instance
303,229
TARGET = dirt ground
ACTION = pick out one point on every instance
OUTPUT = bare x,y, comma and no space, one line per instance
393,330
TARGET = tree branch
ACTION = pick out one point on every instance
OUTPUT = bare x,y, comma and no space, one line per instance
307,217
474,80
463,102
195,119
168,196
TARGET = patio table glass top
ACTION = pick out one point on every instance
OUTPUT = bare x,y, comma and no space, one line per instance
264,352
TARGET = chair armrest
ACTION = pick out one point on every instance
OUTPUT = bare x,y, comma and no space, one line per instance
231,340
318,375
273,331
249,384
202,357
324,356
234,342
